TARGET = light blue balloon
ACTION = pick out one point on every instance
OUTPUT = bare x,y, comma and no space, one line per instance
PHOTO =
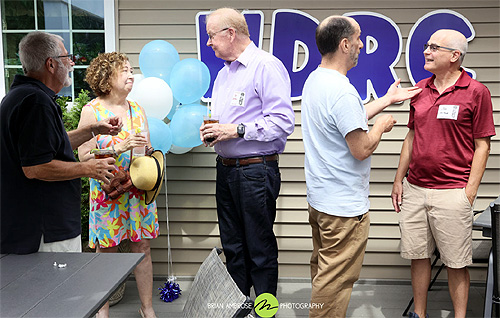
176,105
189,80
179,150
185,125
160,134
157,59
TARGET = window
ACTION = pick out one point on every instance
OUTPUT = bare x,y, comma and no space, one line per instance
87,27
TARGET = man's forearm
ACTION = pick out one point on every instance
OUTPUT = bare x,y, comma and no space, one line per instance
269,129
362,144
405,157
57,170
376,106
80,135
394,94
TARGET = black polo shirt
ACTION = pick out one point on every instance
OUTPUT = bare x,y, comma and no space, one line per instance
32,133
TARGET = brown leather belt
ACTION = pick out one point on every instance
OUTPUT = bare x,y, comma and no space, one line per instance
246,161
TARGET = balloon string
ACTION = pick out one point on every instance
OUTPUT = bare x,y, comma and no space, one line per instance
169,253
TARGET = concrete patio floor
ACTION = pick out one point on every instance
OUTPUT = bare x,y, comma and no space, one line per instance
370,298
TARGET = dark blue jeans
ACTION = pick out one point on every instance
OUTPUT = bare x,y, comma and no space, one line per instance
246,209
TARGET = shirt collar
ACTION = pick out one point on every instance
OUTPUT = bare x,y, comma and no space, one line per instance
246,55
463,81
21,79
333,71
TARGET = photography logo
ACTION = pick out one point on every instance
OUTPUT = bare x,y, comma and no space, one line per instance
266,305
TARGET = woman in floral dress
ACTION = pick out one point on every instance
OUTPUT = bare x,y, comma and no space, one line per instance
128,216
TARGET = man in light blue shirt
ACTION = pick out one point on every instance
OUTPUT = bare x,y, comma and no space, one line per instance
338,146
337,182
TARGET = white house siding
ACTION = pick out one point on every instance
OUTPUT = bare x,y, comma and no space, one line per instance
191,177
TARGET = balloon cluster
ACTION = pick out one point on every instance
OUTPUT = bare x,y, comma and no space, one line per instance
171,88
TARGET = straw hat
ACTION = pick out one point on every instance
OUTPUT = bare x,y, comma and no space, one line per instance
147,174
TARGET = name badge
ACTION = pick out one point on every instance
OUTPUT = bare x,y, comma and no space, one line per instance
448,112
238,99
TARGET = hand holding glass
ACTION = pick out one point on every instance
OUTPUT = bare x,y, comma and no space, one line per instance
210,120
140,151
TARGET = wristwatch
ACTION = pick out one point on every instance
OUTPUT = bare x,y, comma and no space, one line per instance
241,130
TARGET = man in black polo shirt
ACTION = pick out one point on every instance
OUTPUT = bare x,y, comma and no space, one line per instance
39,176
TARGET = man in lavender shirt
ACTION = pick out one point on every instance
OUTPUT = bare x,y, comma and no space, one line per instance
251,97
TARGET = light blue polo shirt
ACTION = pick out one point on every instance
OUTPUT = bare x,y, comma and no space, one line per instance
337,183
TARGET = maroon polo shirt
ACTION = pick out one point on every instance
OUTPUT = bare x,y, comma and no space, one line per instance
443,147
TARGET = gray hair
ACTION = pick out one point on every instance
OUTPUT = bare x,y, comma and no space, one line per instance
231,18
455,40
462,46
36,47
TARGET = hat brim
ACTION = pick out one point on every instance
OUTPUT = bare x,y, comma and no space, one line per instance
151,195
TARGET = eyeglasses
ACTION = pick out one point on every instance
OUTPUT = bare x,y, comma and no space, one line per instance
211,36
435,47
71,57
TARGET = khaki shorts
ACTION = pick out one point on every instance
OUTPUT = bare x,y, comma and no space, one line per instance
73,245
436,217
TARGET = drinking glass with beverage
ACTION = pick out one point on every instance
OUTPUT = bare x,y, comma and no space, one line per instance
140,151
210,119
102,153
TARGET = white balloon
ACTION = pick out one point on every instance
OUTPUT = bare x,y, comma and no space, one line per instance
179,150
133,93
155,96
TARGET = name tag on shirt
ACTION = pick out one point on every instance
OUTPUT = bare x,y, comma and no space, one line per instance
448,112
238,99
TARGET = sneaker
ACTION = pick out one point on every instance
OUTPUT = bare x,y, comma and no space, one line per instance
414,315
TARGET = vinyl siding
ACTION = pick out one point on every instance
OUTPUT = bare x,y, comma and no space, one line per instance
191,177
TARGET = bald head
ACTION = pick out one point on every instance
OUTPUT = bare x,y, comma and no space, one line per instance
452,39
230,18
331,31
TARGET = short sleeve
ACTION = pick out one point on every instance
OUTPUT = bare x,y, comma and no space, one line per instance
411,117
482,121
349,114
39,140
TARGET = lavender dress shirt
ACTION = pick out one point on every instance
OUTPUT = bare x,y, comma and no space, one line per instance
254,90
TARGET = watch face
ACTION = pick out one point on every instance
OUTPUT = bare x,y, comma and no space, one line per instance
241,130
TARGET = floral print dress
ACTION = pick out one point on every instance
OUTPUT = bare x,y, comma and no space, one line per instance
128,216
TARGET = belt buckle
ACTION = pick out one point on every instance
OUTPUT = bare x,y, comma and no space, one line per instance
221,160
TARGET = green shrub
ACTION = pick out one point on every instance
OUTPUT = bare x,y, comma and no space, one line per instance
71,118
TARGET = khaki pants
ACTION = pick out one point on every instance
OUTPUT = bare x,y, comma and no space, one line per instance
339,245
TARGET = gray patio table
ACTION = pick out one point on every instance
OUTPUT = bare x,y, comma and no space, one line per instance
61,284
483,222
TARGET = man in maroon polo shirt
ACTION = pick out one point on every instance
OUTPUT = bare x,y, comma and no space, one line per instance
444,154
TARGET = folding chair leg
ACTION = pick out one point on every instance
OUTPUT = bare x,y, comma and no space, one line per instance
405,313
436,276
